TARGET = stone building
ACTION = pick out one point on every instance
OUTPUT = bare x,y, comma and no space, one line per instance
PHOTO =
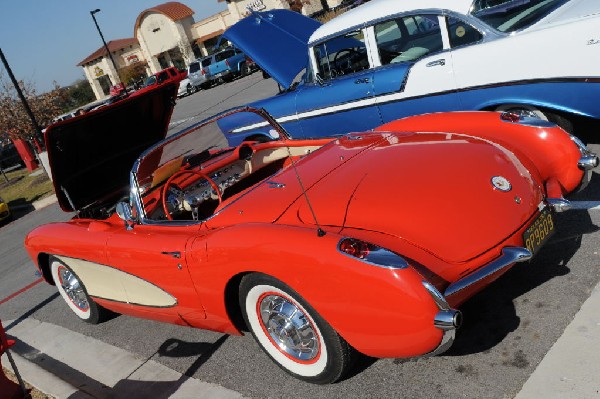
167,35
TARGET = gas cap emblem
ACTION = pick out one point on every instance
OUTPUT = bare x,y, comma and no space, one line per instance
501,183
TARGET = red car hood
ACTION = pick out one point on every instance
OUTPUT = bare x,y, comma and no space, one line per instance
432,190
91,155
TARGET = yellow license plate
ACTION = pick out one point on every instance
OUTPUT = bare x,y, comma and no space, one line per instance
539,231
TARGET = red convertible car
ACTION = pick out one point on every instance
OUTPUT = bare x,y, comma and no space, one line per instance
322,249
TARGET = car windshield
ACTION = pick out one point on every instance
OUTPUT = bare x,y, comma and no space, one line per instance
512,15
206,61
189,149
224,55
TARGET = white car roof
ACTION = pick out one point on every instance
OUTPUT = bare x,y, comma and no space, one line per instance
378,9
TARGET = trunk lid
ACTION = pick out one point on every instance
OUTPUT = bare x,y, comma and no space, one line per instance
432,190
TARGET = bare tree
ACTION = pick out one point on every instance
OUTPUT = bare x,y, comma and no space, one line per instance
13,117
296,5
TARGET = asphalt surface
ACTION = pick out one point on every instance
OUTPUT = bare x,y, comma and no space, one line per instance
509,328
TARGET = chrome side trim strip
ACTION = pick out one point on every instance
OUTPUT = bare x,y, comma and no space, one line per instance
509,256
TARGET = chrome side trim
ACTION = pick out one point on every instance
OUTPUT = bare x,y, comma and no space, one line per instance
509,256
559,204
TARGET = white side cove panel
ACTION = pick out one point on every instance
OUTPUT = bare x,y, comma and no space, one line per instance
109,283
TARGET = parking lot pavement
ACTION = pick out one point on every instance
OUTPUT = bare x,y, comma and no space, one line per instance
68,364
570,368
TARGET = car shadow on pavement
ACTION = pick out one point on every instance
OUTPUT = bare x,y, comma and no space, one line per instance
177,348
491,314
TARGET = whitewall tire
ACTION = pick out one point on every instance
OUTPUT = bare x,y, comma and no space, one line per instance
73,291
291,332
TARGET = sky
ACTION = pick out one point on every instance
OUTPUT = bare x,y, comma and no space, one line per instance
44,40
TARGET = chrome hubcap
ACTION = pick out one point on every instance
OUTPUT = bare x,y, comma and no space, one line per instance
289,328
73,288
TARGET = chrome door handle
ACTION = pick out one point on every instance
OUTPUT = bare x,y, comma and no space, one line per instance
361,81
175,254
440,62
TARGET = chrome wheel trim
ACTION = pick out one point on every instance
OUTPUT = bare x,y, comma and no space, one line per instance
306,369
72,287
83,313
288,327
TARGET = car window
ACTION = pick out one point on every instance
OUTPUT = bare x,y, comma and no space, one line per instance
224,55
194,67
408,38
512,15
172,72
342,55
206,61
461,33
162,76
151,80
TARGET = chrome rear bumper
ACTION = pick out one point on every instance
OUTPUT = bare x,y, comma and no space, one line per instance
509,256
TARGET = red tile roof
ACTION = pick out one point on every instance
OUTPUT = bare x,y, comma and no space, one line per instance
113,46
173,10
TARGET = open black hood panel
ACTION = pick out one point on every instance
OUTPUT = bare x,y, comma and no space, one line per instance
91,155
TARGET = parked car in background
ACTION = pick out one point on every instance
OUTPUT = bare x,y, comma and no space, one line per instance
117,90
168,75
388,59
228,64
9,156
185,88
199,73
5,214
369,243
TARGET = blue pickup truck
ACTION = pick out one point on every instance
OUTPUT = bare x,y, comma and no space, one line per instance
228,64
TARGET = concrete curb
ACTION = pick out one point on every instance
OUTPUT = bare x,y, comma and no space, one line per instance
37,204
66,364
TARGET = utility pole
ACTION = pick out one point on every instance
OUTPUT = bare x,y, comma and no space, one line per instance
92,13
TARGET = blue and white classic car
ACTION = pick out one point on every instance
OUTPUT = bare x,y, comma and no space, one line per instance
388,59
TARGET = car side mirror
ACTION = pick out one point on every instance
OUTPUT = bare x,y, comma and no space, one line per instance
124,211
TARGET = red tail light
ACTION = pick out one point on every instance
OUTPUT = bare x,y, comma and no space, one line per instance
358,249
510,117
203,71
227,62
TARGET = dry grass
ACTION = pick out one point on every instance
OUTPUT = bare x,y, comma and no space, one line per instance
329,15
35,393
22,188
